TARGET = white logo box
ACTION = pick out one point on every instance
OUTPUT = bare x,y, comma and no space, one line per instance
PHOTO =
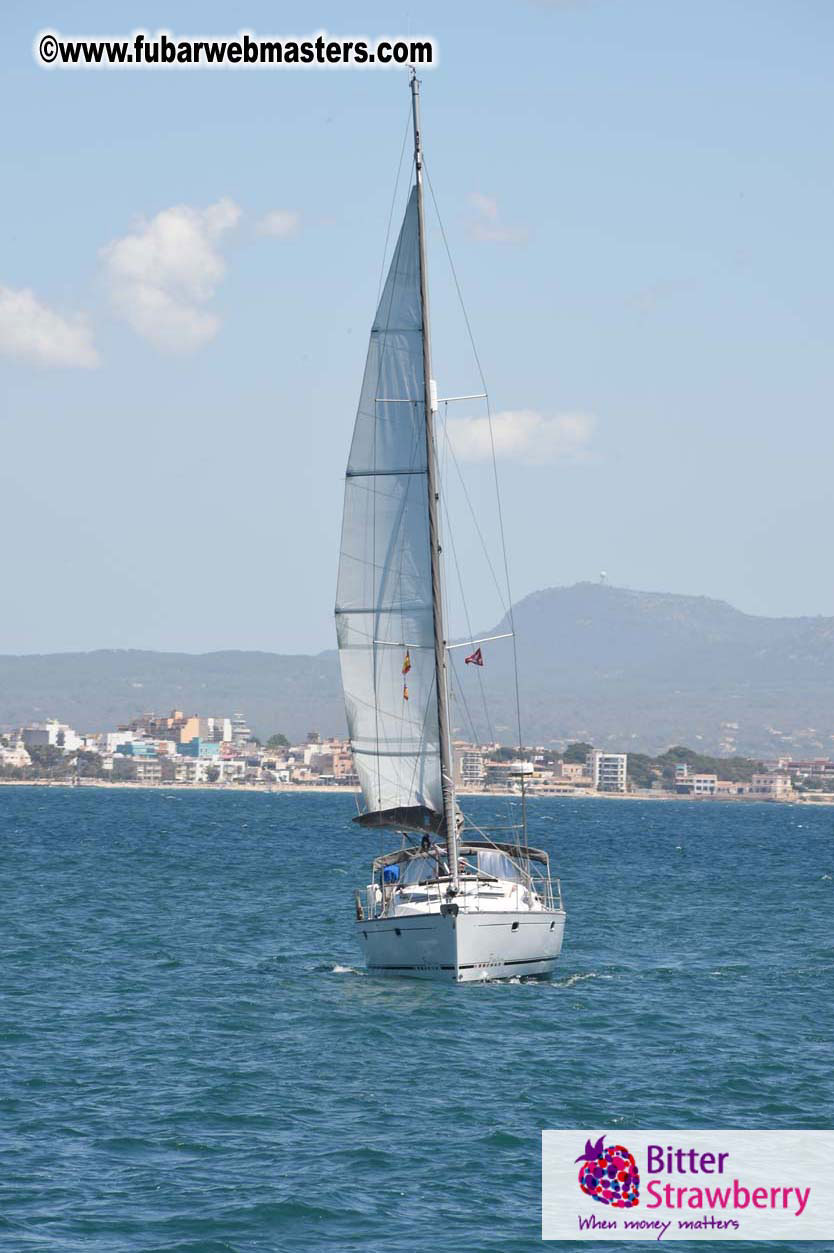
693,1185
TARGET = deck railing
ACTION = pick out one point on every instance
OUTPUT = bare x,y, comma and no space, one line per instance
379,898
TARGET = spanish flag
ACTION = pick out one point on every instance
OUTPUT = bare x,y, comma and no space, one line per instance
407,663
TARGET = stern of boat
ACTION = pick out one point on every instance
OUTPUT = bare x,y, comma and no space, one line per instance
463,947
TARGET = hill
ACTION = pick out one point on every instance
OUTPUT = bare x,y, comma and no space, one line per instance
646,670
638,670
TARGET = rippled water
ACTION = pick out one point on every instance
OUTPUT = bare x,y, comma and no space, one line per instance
193,1061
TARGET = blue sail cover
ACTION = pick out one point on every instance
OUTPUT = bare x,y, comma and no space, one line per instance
384,595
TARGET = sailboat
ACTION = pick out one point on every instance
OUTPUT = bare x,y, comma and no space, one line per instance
450,903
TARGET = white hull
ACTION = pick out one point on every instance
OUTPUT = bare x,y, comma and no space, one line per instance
467,948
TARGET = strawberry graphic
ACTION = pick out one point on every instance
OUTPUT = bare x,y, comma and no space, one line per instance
609,1175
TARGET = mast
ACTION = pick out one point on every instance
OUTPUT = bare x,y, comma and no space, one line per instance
446,770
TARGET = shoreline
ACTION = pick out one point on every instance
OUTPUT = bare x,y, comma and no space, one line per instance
335,790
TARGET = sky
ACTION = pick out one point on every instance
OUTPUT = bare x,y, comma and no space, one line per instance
638,201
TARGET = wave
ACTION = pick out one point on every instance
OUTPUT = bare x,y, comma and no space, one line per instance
577,978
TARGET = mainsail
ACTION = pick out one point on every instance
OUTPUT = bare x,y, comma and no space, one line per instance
384,611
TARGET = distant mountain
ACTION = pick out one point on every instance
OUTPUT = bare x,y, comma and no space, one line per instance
636,670
645,670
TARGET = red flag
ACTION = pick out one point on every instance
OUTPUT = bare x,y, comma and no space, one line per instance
405,692
407,662
475,659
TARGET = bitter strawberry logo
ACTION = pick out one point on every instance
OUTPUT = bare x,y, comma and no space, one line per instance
609,1175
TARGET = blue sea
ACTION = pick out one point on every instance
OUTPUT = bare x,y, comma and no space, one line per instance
193,1061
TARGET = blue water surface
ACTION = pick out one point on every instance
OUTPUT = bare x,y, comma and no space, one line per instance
193,1061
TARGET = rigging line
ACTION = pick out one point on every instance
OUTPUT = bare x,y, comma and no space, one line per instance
456,688
417,759
487,718
477,525
441,539
483,831
490,729
366,704
443,527
450,660
509,609
393,204
383,493
459,692
492,448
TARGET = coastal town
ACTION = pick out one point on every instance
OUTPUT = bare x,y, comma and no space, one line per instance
220,751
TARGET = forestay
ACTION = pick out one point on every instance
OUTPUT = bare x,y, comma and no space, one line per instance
384,596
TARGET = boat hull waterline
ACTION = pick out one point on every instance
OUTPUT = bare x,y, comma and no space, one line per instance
467,948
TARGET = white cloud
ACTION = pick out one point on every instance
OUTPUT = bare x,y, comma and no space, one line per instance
282,223
163,274
523,435
487,225
31,331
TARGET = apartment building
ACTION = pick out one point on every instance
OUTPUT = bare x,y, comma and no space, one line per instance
470,767
52,734
704,784
608,771
776,786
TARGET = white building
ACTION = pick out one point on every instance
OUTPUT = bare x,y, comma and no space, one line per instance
200,770
704,784
607,770
217,730
231,770
15,755
52,734
778,786
693,782
109,741
505,774
471,767
147,769
241,733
